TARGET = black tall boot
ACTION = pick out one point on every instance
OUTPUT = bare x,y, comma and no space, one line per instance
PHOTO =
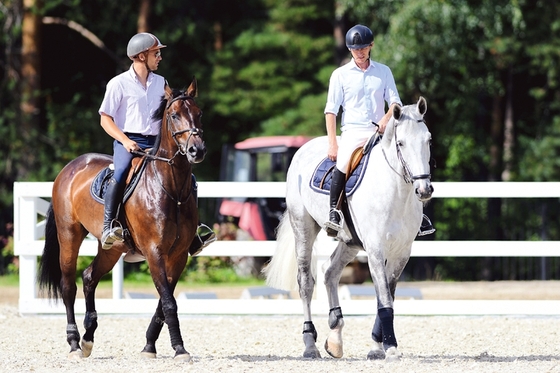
112,229
204,234
333,225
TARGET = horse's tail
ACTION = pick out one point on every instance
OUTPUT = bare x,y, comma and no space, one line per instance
281,272
50,273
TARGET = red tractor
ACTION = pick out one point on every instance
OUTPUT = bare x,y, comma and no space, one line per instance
257,159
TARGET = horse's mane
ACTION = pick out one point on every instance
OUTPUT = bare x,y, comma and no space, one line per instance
158,114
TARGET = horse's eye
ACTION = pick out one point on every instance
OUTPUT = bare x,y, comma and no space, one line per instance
400,143
174,116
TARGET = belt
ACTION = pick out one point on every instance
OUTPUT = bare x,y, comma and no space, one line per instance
139,135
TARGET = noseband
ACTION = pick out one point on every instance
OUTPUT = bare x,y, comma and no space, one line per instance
407,175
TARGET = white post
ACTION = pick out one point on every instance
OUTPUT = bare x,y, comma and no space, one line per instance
25,226
118,275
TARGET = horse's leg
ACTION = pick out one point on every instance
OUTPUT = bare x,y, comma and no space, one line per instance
152,334
304,239
383,333
340,257
165,275
102,264
70,238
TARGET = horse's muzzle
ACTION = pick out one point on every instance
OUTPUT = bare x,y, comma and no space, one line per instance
423,189
196,153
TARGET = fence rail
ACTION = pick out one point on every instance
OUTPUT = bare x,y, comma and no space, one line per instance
31,201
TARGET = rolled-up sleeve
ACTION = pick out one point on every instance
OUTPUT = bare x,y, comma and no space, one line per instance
335,94
391,94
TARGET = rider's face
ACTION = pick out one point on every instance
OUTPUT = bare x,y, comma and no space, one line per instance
153,59
361,55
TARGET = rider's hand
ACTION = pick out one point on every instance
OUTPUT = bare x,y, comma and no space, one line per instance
333,151
130,145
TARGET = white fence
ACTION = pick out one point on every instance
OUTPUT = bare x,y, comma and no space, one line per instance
31,204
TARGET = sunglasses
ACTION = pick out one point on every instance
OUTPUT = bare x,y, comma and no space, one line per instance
157,54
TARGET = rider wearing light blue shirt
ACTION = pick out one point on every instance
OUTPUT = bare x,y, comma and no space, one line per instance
361,88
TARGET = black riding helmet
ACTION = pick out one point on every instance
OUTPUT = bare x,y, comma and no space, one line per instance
359,37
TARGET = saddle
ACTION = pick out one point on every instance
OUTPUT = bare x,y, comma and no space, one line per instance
321,179
99,184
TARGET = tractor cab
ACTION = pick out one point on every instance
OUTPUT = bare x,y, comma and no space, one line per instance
257,159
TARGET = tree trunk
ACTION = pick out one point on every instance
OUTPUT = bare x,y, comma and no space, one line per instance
30,80
144,14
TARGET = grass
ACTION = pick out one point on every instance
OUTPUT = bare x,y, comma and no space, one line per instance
138,282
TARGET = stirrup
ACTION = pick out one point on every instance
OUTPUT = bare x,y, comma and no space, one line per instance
206,236
332,227
427,228
112,235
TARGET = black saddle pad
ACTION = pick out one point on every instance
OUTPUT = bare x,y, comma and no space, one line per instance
324,172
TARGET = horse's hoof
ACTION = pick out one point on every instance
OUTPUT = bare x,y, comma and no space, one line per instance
86,348
75,355
186,357
311,354
333,348
148,355
392,354
377,352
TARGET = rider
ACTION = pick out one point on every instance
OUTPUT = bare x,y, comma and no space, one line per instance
361,87
126,112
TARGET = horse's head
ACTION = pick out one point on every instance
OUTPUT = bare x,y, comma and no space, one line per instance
181,121
408,134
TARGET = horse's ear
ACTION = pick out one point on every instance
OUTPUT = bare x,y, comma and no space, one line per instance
397,111
422,106
192,91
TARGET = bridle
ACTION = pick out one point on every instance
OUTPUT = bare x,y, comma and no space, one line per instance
181,149
407,175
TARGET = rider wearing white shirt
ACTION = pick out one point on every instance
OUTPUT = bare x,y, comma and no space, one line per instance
361,87
130,100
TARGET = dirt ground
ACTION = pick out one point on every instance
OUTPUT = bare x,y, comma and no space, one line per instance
274,344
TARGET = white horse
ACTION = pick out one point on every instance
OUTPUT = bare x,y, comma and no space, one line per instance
387,212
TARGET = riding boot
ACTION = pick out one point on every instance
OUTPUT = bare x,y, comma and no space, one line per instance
112,229
204,234
426,227
334,224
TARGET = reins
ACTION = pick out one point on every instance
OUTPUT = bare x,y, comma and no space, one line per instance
407,174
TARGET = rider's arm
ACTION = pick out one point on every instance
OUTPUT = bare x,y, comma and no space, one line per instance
330,120
115,132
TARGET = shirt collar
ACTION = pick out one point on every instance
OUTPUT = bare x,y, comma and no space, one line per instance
134,77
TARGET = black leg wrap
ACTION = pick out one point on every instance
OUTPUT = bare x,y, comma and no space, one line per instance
72,334
90,324
89,319
377,332
335,314
386,318
308,327
152,334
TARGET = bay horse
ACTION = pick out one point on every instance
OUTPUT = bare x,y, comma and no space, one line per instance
160,216
386,211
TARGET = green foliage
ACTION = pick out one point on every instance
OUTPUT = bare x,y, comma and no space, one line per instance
263,68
